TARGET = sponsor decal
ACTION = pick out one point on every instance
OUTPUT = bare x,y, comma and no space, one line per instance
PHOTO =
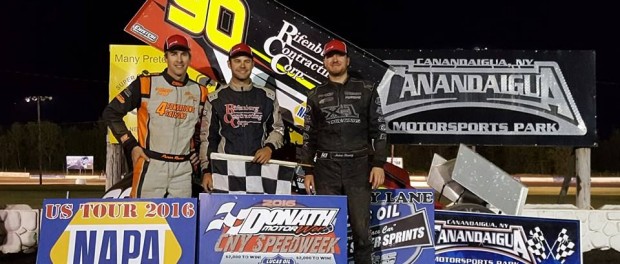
297,54
144,33
242,115
173,110
163,91
342,113
278,260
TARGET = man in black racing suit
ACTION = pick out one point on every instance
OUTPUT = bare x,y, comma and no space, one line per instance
241,118
344,128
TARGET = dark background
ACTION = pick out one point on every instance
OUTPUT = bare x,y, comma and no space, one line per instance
60,48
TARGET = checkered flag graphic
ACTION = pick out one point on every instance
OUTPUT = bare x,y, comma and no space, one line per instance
537,244
237,174
563,246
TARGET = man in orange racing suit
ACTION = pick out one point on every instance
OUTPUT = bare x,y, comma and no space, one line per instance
169,106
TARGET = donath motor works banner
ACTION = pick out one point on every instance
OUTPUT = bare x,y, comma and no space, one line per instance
288,46
244,229
118,231
462,237
401,226
127,62
491,97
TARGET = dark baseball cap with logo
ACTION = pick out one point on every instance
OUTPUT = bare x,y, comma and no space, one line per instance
334,46
176,42
240,49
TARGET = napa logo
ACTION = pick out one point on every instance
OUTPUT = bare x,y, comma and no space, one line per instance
99,233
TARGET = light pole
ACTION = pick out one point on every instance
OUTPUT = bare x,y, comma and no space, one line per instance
38,99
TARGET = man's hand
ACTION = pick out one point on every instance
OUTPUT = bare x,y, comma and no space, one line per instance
377,176
309,183
137,153
193,159
262,155
207,182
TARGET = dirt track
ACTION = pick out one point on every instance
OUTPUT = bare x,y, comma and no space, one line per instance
52,179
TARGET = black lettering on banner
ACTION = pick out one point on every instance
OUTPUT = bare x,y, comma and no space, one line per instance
408,231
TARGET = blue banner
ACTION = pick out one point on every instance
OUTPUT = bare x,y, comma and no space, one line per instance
401,226
261,229
462,237
118,231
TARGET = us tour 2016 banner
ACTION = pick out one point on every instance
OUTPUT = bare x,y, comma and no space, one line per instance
118,231
401,226
464,237
490,97
287,46
286,229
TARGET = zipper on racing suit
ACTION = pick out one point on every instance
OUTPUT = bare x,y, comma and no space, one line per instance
244,104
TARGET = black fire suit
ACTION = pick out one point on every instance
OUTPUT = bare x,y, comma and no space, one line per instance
240,121
345,129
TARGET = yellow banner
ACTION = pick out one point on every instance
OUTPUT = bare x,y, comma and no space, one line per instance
129,61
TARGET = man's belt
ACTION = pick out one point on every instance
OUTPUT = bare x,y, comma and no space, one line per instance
341,155
166,157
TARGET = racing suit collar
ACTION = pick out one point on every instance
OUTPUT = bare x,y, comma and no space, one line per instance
241,88
172,81
337,83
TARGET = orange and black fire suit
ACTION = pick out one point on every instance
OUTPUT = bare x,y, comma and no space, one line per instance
168,113
345,130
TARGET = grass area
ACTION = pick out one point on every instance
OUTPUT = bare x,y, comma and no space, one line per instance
33,195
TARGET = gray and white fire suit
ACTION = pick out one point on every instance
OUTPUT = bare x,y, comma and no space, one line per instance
168,113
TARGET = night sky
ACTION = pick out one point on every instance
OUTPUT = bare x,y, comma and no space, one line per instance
60,48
